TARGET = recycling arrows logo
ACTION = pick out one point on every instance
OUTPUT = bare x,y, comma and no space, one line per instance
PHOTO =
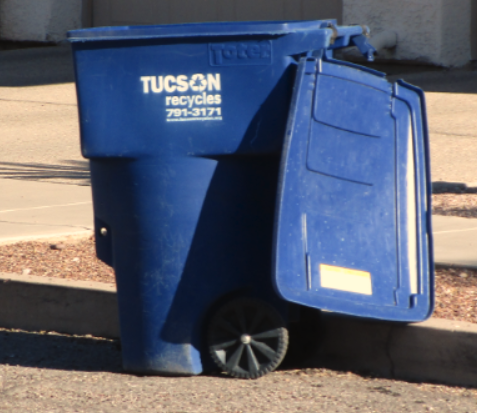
198,83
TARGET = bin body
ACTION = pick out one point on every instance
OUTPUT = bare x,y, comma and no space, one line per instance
183,126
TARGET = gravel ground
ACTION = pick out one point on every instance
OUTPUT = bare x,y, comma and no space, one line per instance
456,294
458,205
56,373
76,260
73,260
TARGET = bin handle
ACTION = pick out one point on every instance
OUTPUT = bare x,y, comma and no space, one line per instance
355,35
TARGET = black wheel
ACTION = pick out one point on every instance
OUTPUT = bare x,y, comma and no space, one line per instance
247,338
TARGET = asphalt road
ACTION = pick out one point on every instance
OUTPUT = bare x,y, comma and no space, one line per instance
57,373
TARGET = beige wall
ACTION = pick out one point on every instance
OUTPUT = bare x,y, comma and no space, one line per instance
38,20
438,32
128,12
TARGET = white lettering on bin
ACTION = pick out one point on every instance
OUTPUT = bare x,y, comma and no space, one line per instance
200,105
197,82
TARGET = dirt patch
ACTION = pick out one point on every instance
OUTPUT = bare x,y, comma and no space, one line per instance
456,294
73,260
458,205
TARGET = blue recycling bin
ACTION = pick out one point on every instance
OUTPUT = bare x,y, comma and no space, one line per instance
236,169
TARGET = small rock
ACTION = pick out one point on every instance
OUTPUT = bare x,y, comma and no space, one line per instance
76,259
26,271
58,247
463,275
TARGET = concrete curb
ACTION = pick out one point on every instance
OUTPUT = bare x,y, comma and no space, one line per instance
62,236
44,303
436,350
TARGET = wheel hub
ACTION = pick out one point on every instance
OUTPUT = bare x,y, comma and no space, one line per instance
233,347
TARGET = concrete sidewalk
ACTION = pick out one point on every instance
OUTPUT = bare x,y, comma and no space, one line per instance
34,210
455,241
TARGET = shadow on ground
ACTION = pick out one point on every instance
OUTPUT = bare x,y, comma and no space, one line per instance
15,45
446,81
49,350
70,172
427,77
36,66
54,351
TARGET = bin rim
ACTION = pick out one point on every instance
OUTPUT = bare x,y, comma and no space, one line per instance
209,29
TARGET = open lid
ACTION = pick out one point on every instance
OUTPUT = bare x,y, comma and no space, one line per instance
352,230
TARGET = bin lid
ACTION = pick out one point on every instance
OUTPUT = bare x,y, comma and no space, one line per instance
352,228
271,28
